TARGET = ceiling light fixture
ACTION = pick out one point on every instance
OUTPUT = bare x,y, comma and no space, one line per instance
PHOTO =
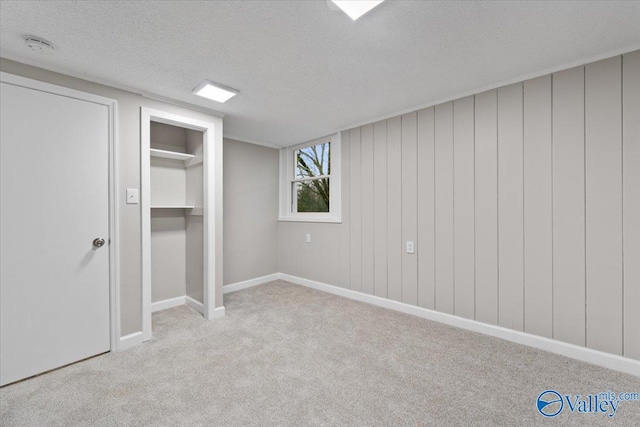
356,8
214,91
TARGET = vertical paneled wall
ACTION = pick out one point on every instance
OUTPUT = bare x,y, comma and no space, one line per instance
463,208
394,208
409,206
568,218
631,203
443,204
426,209
603,200
486,206
380,209
538,207
510,208
523,203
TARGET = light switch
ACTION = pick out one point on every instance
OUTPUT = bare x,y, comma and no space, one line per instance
410,247
308,238
132,196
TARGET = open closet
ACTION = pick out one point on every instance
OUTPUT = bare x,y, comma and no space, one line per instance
181,195
176,215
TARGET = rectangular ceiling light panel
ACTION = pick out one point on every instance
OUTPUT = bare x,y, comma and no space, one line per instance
214,91
356,8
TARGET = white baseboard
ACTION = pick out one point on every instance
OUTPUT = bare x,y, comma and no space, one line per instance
249,283
128,341
188,301
177,301
611,361
196,305
167,303
218,313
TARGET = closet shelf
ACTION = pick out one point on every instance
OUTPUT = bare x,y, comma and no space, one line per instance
173,155
189,210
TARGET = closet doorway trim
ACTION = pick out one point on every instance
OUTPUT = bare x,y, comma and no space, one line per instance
212,201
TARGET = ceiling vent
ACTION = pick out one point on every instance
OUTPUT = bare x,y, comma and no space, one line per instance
38,44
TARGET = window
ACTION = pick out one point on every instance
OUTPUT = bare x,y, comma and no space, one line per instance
310,181
310,186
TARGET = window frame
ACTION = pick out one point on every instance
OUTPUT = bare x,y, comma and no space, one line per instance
288,178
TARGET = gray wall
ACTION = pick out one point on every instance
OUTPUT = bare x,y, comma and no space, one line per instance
129,177
523,207
250,211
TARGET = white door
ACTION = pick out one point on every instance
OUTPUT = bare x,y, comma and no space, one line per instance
54,283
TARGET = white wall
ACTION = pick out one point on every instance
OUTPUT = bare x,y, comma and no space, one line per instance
168,254
194,223
524,203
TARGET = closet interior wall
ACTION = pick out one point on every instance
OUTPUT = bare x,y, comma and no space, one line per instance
176,231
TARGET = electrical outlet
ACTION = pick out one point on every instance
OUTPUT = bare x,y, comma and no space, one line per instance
410,247
308,238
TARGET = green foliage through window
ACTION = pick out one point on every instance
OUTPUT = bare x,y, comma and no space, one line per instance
311,185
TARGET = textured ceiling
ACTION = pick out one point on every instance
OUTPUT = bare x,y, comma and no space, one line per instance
304,68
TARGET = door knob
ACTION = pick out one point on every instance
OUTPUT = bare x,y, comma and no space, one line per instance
98,242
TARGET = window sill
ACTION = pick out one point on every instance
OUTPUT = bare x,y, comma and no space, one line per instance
311,218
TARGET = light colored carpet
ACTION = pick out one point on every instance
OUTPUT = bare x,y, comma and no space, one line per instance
289,355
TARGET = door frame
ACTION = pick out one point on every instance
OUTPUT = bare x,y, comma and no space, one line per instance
114,230
212,212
